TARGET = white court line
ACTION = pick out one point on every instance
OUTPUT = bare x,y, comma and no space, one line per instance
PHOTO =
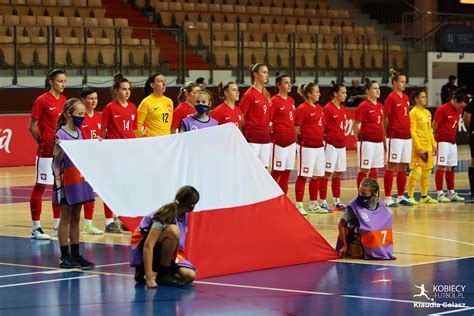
39,272
453,311
433,237
112,264
48,281
431,262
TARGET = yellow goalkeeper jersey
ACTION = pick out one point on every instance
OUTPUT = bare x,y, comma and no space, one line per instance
155,115
420,128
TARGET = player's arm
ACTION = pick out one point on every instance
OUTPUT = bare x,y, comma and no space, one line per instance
342,234
34,130
413,129
467,120
435,126
150,242
142,114
356,128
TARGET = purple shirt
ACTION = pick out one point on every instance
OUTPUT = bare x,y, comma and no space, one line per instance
191,123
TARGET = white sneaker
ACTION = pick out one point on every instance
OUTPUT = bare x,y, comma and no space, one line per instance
92,230
455,197
55,232
442,198
39,234
390,202
316,209
300,207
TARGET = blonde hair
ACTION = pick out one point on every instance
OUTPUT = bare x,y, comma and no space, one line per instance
394,75
68,108
187,88
186,197
306,88
204,92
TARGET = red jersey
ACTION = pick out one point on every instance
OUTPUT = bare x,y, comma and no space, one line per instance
256,109
282,115
448,119
183,110
335,131
120,121
311,120
224,114
370,117
398,111
47,109
92,126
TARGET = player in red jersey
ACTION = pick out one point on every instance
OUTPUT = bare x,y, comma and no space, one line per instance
44,117
368,128
255,106
228,111
445,126
282,121
186,107
396,124
119,120
91,128
335,147
309,128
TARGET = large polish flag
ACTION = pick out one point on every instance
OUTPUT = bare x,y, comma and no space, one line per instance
243,220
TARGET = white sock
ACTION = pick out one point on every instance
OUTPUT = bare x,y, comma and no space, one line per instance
36,224
313,203
337,200
56,222
451,191
324,202
87,222
109,221
439,193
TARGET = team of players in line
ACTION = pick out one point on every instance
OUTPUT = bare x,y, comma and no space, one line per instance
276,130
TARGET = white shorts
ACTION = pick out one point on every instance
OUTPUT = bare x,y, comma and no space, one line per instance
283,158
44,171
447,154
335,159
311,161
262,151
398,150
370,155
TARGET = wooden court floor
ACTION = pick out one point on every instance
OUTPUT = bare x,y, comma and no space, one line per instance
422,234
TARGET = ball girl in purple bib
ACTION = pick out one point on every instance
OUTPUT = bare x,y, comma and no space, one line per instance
202,103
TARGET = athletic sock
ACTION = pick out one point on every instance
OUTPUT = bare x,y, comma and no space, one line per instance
88,210
284,179
299,188
411,184
75,250
336,188
314,188
64,251
373,173
450,180
108,212
36,202
360,177
424,182
471,179
439,175
388,182
401,182
56,213
323,188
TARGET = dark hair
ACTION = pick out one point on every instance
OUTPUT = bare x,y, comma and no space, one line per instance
394,75
460,95
416,93
369,83
279,77
254,68
372,184
337,86
200,80
69,107
52,73
186,197
452,77
118,80
147,88
187,88
223,87
86,91
306,88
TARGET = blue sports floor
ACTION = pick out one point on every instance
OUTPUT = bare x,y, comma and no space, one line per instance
32,285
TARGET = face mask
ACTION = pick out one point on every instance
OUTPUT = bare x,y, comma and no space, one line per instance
363,200
77,120
201,108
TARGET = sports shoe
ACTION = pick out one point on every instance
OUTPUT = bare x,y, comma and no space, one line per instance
84,263
428,200
455,197
390,202
123,227
326,207
339,207
442,198
91,229
55,232
39,234
412,200
316,209
300,207
69,263
404,201
169,279
113,228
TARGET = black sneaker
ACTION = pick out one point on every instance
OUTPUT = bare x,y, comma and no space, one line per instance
69,263
113,228
85,264
170,280
140,274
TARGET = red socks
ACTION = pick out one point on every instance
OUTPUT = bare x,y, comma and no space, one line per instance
314,188
323,188
401,182
336,187
56,211
387,182
439,175
373,174
36,202
108,212
282,178
88,210
449,180
360,177
276,175
299,188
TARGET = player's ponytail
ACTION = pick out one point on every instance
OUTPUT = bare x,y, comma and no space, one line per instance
186,197
147,89
187,88
306,88
336,86
394,75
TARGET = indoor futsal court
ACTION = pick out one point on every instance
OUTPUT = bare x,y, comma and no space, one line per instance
434,247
